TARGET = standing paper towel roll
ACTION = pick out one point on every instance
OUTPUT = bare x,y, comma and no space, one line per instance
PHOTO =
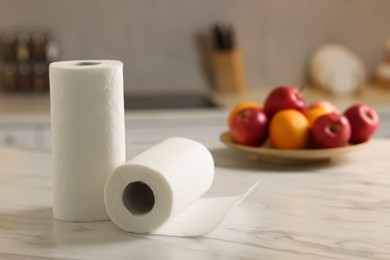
88,135
159,191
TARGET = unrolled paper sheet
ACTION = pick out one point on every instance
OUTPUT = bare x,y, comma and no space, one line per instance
159,191
88,135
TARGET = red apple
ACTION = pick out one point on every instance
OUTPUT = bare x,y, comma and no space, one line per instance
364,122
326,105
330,131
250,127
281,98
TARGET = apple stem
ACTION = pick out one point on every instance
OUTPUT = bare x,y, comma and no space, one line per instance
369,115
246,114
302,88
334,128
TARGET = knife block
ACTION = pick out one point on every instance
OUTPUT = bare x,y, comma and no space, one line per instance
228,70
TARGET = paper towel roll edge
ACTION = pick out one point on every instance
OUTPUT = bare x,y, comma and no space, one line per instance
85,64
129,219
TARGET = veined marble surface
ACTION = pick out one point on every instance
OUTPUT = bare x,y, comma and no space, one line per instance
337,210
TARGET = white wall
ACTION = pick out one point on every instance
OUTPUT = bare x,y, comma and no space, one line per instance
157,40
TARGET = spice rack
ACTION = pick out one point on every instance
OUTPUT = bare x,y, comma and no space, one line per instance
24,60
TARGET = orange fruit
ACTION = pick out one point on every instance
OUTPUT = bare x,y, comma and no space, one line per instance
240,107
289,129
313,113
327,105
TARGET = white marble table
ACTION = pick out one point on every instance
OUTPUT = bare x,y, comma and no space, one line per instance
339,210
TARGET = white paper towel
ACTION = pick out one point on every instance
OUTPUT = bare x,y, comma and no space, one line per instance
88,135
159,191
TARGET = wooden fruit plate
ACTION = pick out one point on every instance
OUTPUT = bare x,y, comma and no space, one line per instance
267,153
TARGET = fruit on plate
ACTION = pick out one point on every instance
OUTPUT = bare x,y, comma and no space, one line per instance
313,113
364,122
326,105
289,124
289,129
281,98
319,108
249,127
330,131
240,107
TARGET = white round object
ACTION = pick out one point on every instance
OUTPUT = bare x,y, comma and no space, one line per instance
337,69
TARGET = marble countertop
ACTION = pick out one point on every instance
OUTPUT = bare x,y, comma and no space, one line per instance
336,210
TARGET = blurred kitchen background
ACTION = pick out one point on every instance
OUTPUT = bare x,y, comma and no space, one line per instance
196,54
162,42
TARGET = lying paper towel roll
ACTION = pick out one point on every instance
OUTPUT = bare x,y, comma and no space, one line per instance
159,191
88,135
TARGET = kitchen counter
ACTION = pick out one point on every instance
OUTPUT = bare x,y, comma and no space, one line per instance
25,119
375,96
335,210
